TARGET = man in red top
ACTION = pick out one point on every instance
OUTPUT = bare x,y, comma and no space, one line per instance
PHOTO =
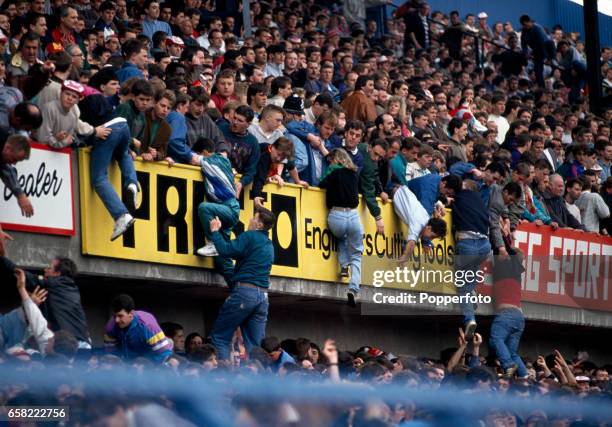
225,89
509,323
64,33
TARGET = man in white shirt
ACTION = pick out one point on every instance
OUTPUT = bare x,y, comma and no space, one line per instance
270,125
422,164
573,189
420,226
592,206
498,103
276,61
321,104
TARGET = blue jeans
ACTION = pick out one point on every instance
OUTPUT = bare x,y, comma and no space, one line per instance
229,214
13,328
347,228
469,254
506,331
104,150
246,308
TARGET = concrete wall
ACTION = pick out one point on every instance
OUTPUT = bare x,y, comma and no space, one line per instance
196,306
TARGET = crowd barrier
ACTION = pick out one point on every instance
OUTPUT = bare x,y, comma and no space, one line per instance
564,267
168,230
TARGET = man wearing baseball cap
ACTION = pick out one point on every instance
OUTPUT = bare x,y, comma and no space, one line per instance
62,124
175,46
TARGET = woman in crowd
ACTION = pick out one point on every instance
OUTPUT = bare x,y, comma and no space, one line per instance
342,198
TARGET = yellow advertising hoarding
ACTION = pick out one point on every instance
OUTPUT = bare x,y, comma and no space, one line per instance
168,231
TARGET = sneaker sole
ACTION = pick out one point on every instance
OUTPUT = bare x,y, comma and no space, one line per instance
469,331
207,255
127,227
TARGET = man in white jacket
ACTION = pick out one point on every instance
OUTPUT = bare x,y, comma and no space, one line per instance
17,326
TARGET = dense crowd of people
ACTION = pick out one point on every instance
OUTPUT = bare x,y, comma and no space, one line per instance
433,112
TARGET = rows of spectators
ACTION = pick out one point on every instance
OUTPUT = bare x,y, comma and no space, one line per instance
136,345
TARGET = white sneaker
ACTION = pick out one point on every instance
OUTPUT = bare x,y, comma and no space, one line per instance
124,222
132,200
208,250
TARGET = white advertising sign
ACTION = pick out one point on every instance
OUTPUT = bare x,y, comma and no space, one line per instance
46,178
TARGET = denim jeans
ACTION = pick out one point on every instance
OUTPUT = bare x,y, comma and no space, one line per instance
104,150
469,254
246,308
229,213
347,228
13,328
506,331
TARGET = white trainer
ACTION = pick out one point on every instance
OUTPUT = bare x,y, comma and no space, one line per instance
208,250
124,222
132,199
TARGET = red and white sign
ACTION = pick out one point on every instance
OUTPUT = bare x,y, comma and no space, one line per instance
46,178
565,267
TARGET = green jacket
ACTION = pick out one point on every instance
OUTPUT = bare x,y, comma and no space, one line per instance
135,119
368,178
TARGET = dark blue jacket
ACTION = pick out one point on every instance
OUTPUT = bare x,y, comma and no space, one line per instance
470,212
536,38
254,255
338,142
244,153
426,189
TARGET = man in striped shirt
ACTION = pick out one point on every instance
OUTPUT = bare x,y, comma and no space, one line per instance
133,333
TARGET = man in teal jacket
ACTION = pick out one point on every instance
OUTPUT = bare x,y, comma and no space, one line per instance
247,305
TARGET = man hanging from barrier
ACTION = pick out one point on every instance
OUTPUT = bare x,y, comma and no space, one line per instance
220,201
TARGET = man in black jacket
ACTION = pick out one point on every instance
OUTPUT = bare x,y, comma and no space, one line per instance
555,204
63,309
417,28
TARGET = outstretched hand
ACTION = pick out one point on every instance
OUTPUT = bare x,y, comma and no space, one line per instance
39,295
215,224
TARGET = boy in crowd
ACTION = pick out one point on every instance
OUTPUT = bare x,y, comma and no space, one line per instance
422,164
243,147
273,159
132,333
140,97
221,201
353,135
61,123
156,132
